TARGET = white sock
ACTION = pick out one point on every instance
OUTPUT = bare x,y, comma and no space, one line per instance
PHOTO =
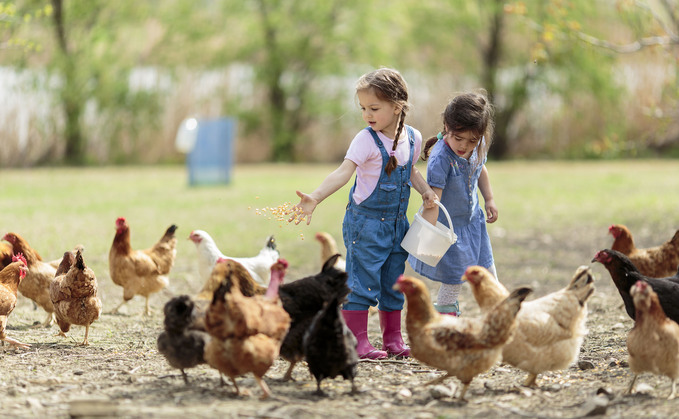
448,294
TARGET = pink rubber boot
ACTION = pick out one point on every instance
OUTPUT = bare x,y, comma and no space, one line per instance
390,323
357,321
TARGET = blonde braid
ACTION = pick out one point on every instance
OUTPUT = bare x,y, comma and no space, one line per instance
391,165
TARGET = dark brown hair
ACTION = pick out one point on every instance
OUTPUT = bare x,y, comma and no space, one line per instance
471,112
388,85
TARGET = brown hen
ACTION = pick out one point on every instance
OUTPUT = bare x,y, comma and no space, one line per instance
6,253
140,272
463,347
10,278
329,249
653,342
246,331
36,285
236,272
656,262
74,294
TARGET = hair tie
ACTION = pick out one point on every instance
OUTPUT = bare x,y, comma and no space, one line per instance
439,135
391,153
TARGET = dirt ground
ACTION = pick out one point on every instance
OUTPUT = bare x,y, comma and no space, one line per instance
121,374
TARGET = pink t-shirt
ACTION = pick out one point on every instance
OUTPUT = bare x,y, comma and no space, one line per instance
364,152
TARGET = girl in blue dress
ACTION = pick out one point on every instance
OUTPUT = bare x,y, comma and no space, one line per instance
455,171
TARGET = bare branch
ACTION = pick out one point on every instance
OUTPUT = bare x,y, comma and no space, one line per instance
631,47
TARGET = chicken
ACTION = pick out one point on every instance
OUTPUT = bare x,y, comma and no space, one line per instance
56,262
184,339
549,330
329,248
258,266
36,285
74,294
140,272
10,278
653,342
330,347
246,331
6,253
302,300
655,262
624,274
463,347
247,285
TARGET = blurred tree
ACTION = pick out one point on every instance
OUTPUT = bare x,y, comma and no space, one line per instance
510,49
653,26
291,44
11,19
91,52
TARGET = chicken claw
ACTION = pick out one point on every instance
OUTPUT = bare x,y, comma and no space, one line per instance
16,343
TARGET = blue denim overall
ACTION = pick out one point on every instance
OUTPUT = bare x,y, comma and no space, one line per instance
372,233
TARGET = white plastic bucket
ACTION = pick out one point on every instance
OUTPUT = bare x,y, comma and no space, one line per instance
427,242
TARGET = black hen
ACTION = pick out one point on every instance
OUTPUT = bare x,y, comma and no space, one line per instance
330,347
625,275
302,299
184,339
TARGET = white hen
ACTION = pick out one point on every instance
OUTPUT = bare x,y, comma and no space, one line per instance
258,266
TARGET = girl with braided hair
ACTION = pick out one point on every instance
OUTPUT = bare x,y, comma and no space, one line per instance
383,155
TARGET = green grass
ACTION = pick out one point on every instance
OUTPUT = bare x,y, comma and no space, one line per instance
55,209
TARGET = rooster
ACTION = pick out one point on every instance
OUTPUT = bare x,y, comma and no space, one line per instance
74,294
655,262
624,275
463,347
303,299
208,254
653,342
10,278
140,272
184,339
36,285
549,330
246,331
329,248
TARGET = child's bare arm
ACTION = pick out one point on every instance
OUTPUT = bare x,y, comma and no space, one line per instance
331,184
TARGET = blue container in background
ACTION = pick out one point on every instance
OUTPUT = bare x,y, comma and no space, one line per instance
210,152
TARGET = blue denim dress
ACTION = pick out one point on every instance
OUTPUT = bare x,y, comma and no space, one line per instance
372,233
459,179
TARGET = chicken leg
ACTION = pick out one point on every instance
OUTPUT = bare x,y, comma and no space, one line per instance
265,388
631,385
673,393
115,310
531,380
288,373
87,333
15,343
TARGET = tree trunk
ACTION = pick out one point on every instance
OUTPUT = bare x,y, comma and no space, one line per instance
71,100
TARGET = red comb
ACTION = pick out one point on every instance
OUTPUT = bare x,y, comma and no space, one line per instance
19,257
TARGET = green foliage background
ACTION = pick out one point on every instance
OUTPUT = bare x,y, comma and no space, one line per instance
122,75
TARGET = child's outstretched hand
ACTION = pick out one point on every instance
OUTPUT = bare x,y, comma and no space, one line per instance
303,210
491,211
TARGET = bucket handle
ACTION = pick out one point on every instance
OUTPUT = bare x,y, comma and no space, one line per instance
451,234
